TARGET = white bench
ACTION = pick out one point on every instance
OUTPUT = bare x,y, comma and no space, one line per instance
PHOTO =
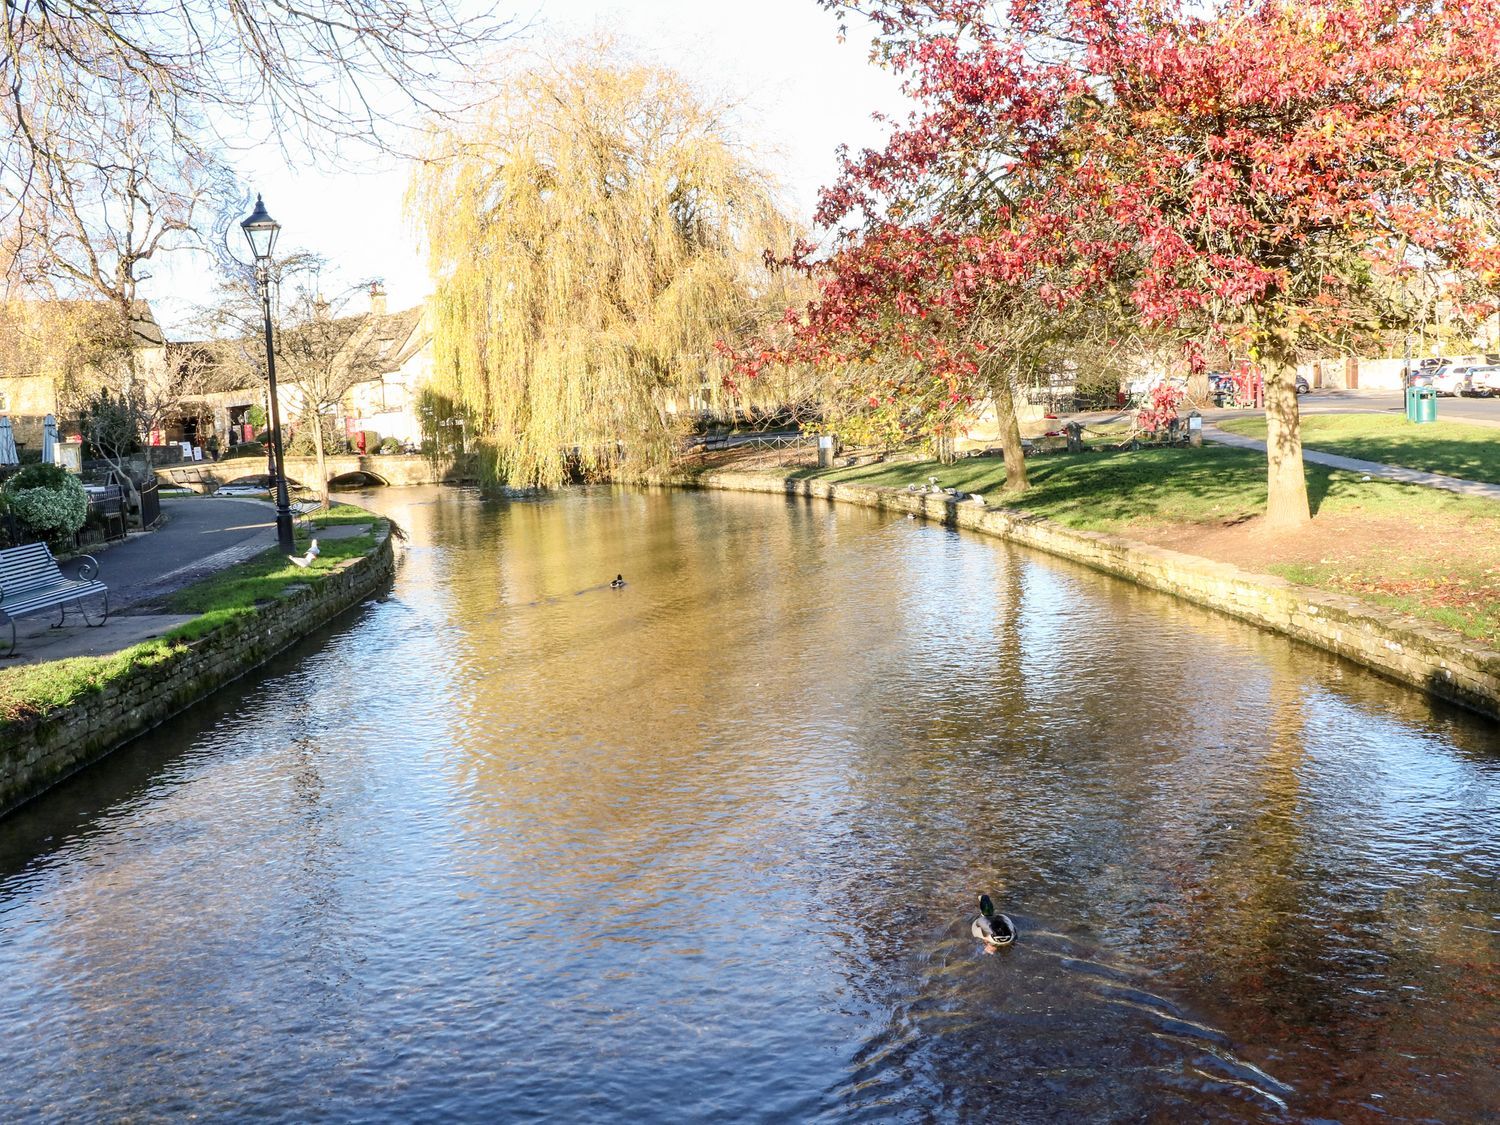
30,583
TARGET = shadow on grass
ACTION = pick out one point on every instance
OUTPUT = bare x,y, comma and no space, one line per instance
1454,449
1096,490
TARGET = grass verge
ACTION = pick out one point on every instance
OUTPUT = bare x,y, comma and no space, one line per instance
1454,449
31,690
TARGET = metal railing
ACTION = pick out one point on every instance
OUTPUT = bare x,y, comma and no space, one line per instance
150,503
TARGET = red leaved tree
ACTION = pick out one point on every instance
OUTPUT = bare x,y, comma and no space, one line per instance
1259,174
948,282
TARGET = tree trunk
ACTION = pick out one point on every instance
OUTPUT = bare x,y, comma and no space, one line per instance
1286,483
317,429
1010,434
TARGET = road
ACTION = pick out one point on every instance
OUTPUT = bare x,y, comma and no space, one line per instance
1482,411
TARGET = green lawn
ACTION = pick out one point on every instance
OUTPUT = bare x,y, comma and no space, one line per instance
1455,449
1114,491
28,690
1459,593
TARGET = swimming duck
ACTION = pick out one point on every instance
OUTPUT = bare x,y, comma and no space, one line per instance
618,582
991,928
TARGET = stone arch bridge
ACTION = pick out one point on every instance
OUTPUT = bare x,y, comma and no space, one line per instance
387,469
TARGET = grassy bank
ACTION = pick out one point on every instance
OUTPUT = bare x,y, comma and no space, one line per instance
1454,449
29,690
1428,553
1119,491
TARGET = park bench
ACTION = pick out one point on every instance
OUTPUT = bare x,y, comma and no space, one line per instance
30,582
303,512
194,478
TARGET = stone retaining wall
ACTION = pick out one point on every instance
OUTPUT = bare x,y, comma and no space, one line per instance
38,753
1443,663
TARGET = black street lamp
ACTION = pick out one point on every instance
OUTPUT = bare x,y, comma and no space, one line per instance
261,230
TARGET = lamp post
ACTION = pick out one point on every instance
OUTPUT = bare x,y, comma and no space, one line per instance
261,230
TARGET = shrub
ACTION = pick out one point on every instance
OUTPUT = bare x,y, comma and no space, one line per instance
47,500
39,475
389,445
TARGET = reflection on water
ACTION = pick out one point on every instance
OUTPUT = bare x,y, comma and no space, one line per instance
513,844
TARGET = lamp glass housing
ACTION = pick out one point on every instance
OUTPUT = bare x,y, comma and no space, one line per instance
261,230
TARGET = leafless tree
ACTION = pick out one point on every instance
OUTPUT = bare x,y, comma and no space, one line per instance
323,349
73,72
323,352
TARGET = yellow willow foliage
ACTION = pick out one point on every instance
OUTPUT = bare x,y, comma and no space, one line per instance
592,236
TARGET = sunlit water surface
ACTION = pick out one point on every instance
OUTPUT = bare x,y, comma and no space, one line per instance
509,844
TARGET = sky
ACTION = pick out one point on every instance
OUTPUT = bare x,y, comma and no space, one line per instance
803,93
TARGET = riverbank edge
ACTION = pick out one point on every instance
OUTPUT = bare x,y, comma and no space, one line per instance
1439,663
41,752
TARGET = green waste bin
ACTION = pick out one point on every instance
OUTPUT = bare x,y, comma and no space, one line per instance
1424,404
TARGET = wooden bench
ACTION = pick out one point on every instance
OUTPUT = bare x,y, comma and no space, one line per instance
30,583
195,479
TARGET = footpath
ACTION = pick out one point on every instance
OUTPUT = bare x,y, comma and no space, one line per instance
1371,468
201,537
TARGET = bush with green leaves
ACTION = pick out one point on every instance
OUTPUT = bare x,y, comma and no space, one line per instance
47,500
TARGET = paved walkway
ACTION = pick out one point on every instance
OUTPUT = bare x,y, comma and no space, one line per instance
202,536
1373,468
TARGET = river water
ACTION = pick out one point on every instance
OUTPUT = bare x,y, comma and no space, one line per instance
509,844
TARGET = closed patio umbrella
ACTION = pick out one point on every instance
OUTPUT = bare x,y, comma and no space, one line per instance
8,454
49,440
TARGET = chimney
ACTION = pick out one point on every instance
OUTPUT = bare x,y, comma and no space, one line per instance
377,297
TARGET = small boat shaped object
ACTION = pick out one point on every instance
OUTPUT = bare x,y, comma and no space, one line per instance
617,582
991,927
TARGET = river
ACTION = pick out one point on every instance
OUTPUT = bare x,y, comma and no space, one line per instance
508,844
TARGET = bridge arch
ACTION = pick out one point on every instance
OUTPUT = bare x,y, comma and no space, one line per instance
356,478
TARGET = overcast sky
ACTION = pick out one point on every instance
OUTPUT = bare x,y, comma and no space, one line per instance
804,93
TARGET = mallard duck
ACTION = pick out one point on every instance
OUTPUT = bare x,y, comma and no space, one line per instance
991,928
618,582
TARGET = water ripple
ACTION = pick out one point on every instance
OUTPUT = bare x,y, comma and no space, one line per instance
506,845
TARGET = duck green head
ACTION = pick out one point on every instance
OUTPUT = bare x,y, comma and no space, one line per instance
986,907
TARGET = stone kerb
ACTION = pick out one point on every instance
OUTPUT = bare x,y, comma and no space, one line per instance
38,753
1441,663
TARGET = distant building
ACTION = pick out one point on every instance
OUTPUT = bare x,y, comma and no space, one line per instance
387,403
50,347
396,347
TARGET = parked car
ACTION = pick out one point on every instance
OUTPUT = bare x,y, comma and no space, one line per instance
1484,381
1422,376
1451,379
1303,386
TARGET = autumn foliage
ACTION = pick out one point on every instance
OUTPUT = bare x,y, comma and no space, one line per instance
1257,176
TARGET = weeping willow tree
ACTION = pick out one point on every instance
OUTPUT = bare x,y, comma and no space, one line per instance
593,237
